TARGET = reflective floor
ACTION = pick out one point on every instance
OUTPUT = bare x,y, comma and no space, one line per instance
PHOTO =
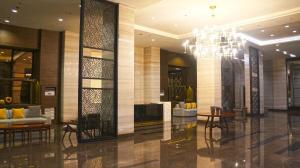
264,142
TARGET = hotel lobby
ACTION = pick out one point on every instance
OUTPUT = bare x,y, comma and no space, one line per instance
150,83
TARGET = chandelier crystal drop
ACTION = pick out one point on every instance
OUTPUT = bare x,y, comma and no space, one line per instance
214,41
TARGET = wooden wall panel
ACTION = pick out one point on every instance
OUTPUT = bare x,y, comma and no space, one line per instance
49,66
126,70
22,37
70,76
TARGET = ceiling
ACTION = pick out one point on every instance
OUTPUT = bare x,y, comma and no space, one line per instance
167,23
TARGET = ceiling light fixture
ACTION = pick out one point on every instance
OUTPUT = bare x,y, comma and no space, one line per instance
278,50
214,41
6,21
15,10
277,45
287,26
272,35
294,31
152,40
292,55
285,52
60,19
262,30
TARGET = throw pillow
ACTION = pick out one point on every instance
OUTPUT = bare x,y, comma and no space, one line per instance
3,114
34,111
188,105
194,105
18,113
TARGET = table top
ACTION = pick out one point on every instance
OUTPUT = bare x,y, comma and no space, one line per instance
224,114
23,126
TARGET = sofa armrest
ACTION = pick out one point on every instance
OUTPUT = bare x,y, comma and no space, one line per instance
47,117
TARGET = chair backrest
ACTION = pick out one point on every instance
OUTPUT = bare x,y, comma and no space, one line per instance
215,110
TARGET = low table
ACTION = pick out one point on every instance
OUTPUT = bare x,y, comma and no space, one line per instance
210,120
11,129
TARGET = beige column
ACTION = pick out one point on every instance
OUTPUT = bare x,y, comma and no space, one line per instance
70,77
126,70
151,75
138,75
279,83
209,85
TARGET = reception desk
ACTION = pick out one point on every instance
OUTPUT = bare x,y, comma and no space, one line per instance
148,112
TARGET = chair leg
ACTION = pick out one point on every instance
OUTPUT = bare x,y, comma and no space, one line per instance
206,123
64,136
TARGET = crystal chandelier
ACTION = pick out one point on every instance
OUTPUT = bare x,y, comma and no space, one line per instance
214,41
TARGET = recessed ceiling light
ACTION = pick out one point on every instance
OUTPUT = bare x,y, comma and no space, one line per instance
284,52
277,45
6,20
14,10
272,35
294,31
79,5
60,19
292,55
287,26
262,30
277,50
152,40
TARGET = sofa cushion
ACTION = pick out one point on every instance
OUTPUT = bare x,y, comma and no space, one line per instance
194,105
188,105
3,114
24,120
34,111
182,104
18,113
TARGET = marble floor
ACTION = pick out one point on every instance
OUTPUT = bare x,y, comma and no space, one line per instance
258,143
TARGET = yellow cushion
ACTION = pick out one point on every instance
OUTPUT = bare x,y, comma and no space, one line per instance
194,105
188,105
3,114
18,113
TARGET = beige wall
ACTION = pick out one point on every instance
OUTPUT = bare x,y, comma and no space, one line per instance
126,70
279,83
209,87
70,76
152,75
138,75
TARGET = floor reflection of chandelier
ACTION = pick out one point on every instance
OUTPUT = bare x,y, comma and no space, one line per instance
214,41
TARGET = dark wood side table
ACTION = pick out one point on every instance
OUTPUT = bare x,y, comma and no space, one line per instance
211,117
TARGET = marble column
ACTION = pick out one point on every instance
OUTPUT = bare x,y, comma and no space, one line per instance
248,80
152,75
209,85
138,75
279,83
70,77
126,70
